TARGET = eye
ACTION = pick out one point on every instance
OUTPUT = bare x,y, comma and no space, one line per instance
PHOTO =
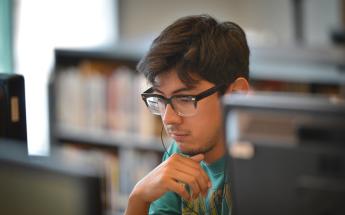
184,99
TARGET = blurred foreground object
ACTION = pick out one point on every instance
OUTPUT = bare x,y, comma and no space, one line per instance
287,153
57,184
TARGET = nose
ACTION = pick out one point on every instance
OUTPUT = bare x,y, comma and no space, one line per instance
170,116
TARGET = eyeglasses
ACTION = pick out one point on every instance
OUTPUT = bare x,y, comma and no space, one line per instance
183,105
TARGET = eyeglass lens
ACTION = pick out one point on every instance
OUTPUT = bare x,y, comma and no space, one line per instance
182,105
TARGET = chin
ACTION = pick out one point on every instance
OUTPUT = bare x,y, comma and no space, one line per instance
190,151
185,149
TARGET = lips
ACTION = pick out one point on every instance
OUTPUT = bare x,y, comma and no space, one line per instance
178,136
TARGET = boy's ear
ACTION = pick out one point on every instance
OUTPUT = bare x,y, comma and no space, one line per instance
240,85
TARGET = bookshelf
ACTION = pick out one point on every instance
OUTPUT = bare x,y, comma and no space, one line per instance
95,104
107,75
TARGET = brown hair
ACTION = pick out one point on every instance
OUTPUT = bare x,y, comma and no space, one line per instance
216,52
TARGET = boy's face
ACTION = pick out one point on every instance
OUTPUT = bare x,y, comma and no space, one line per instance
200,133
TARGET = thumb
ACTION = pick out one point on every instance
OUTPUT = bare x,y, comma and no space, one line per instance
198,157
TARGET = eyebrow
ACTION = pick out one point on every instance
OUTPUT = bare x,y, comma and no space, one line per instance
175,91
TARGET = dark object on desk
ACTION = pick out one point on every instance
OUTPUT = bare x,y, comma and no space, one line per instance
287,154
12,107
46,185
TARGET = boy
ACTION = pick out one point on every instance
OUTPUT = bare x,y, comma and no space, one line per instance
190,65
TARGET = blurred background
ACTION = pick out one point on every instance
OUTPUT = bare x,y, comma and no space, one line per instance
78,59
31,30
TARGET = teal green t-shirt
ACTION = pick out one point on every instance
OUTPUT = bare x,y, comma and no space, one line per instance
217,201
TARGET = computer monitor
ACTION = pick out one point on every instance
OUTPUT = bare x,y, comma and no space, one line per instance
12,107
287,154
45,185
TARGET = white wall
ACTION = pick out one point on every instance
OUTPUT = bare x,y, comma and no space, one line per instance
320,18
145,19
267,22
43,25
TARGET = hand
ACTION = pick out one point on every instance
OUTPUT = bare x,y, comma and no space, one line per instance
172,175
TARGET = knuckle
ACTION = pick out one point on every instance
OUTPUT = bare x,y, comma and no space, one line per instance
181,189
189,180
194,183
175,156
199,174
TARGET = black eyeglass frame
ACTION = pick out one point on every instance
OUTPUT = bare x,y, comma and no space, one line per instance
195,98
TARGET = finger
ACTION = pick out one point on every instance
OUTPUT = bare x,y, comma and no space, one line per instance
198,157
205,180
199,174
187,161
190,166
189,179
179,188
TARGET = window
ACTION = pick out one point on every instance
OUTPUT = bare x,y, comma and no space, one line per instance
6,36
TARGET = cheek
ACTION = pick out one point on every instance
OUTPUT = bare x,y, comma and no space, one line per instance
208,119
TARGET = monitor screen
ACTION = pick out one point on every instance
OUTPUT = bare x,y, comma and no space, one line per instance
39,186
287,154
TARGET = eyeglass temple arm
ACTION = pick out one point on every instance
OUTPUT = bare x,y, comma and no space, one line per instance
209,92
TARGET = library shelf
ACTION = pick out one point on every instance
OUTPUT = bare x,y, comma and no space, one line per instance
107,139
81,87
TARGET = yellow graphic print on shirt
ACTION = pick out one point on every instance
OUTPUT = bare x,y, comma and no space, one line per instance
211,206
